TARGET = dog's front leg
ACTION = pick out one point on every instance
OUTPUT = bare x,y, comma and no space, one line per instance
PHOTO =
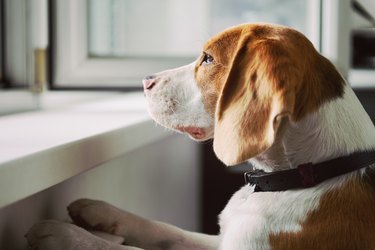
52,235
136,230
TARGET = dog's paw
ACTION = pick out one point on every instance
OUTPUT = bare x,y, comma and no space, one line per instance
55,235
98,215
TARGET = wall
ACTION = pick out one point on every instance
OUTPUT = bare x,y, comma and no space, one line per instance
160,181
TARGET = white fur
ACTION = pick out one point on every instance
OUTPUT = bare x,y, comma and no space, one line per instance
338,128
251,217
176,101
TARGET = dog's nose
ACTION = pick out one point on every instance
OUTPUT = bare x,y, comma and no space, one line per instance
149,82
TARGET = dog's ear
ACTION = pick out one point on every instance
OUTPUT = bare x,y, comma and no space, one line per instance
258,93
275,73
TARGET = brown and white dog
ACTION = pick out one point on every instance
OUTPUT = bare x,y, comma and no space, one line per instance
265,95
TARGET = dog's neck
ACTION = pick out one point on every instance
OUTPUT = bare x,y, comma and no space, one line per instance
340,127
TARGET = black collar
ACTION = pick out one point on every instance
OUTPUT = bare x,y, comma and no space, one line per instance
308,175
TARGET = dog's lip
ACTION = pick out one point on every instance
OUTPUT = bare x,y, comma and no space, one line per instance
195,132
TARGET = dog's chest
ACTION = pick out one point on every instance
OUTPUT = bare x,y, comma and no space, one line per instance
250,218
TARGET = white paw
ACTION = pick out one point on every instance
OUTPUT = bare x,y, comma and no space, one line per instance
55,235
97,215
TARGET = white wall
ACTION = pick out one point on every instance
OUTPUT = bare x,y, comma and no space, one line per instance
160,181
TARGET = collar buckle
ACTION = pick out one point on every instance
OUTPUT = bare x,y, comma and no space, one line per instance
248,176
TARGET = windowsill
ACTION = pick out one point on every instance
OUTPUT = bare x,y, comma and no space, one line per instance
42,148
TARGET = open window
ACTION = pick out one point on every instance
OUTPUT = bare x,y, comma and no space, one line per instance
115,43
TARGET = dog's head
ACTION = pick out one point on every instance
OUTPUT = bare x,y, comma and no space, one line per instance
245,82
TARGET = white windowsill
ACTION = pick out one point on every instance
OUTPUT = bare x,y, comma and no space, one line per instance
42,148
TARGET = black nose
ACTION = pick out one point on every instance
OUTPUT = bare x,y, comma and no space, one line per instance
149,82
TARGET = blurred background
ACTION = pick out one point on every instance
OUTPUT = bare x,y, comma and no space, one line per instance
64,51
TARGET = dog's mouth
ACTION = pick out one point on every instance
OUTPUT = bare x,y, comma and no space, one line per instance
195,132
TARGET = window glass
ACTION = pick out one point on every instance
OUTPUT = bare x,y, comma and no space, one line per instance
144,28
291,13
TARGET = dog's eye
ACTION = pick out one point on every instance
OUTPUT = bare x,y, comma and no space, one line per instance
207,59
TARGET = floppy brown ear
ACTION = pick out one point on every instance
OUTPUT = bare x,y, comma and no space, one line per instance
258,93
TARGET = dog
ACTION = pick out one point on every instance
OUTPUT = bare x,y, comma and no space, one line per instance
264,95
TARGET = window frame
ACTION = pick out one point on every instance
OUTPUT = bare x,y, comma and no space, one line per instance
17,93
335,34
74,68
17,47
2,49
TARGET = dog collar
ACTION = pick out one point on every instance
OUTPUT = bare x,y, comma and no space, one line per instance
308,175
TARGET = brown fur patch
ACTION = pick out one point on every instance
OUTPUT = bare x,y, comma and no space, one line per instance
253,65
211,78
345,219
